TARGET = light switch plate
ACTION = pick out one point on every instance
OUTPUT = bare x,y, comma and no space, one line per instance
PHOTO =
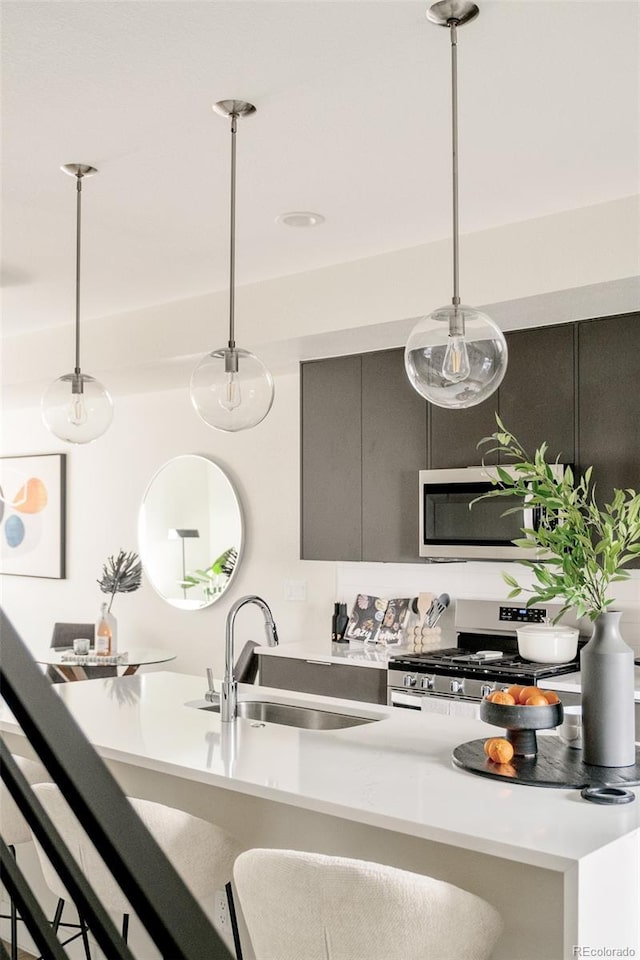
295,590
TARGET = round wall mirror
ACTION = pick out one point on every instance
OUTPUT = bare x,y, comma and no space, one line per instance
190,532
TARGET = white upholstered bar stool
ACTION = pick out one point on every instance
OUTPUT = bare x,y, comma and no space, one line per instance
15,829
202,853
306,906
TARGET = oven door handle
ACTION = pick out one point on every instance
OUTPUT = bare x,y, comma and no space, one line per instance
403,698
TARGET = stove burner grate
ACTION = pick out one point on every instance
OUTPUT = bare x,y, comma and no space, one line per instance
501,663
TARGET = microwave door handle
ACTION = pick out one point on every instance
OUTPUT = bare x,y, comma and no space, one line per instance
531,517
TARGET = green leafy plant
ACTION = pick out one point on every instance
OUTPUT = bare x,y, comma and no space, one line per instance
122,574
209,577
587,546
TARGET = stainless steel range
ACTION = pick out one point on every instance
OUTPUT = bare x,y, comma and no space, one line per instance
485,659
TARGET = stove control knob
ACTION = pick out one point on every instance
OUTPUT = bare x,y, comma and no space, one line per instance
408,680
428,683
457,686
486,689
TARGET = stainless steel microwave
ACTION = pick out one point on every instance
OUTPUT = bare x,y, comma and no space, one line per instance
451,529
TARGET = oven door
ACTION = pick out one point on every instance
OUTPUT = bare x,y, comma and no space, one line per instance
428,702
450,527
405,699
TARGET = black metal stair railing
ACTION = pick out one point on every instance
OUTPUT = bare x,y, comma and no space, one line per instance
165,907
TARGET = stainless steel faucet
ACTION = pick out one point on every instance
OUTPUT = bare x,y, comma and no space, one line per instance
229,694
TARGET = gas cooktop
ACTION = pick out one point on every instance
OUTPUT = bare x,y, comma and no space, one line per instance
459,661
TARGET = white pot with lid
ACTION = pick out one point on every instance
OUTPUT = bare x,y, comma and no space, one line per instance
547,642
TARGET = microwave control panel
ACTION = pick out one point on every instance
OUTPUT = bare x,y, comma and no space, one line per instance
522,615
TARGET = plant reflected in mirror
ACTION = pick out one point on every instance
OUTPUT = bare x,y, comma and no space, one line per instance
190,513
213,578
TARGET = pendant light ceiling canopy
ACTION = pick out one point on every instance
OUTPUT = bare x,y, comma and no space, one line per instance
456,356
231,389
76,408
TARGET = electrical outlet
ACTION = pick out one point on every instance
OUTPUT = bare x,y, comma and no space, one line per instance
222,910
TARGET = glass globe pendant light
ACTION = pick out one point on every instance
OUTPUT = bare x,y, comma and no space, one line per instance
456,356
231,389
76,408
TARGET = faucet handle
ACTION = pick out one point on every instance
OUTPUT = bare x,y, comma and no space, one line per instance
211,694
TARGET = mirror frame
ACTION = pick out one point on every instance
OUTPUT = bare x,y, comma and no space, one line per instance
143,550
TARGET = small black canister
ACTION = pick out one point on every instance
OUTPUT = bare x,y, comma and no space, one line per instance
339,623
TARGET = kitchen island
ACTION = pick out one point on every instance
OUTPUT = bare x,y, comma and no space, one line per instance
561,871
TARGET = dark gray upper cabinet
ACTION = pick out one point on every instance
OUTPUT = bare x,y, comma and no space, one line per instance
331,443
536,397
364,439
366,433
394,449
454,435
609,402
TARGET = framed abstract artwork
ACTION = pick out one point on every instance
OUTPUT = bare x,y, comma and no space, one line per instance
32,515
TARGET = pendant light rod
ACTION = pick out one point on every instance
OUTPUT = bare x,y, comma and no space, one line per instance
232,235
77,408
233,109
79,171
78,234
453,14
454,159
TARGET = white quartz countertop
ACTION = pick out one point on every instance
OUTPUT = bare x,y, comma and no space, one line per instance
395,774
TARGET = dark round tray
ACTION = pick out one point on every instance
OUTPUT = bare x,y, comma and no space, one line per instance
556,765
521,723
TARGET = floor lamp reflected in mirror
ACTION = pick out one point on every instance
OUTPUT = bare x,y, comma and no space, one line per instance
182,534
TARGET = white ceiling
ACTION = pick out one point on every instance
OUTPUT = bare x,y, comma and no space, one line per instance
352,122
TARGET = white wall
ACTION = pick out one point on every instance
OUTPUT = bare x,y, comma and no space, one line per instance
105,484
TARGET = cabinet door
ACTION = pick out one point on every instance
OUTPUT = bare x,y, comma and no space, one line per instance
367,684
536,397
394,449
331,438
454,434
609,402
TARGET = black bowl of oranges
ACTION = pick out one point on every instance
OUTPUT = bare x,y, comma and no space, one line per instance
521,711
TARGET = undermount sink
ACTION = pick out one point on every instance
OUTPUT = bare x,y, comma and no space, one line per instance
308,718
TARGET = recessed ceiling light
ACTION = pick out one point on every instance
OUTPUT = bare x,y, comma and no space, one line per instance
300,218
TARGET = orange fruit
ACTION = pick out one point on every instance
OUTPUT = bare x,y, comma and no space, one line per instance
488,743
550,696
515,692
501,696
527,692
501,750
537,700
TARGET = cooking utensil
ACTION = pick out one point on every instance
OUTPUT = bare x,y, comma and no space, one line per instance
480,657
547,643
435,611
